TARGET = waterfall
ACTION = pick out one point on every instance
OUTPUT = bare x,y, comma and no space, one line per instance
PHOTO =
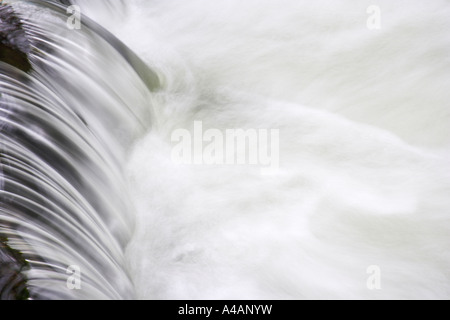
66,124
226,149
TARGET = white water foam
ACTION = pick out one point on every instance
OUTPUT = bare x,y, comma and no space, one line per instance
364,150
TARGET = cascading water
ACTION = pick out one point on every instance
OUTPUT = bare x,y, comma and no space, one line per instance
66,123
357,92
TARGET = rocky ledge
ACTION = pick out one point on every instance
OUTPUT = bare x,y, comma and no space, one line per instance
14,45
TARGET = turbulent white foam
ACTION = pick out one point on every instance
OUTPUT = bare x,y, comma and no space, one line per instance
364,140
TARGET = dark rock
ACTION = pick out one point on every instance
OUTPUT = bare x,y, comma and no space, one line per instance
14,45
12,281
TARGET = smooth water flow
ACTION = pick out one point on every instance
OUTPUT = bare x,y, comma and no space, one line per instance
65,128
357,94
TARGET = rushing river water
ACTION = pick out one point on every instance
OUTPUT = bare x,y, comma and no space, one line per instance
348,103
